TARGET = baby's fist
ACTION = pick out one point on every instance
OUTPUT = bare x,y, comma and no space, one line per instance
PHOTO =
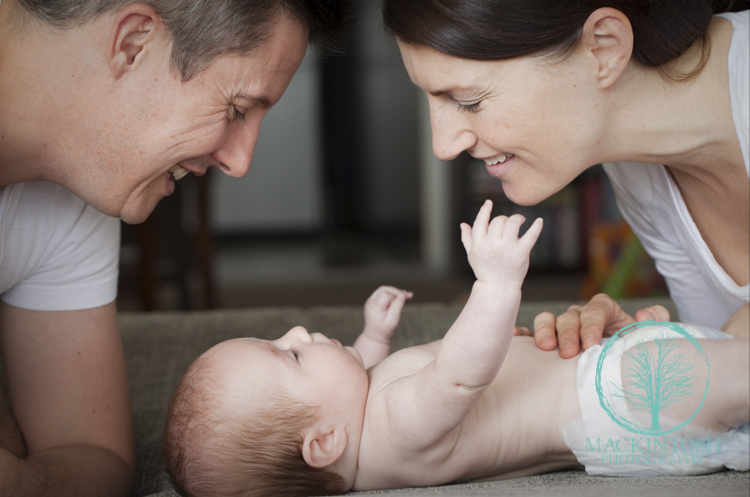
383,311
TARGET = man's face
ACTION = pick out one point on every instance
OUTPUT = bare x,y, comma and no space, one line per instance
158,127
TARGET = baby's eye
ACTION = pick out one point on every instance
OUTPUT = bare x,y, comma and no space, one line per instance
469,108
294,354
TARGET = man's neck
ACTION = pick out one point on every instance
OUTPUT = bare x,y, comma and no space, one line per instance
22,135
44,72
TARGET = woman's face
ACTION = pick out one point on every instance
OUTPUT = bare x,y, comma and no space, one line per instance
533,122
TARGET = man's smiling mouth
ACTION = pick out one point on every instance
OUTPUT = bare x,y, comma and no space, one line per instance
178,172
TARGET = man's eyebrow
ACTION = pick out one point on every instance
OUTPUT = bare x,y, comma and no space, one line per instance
262,100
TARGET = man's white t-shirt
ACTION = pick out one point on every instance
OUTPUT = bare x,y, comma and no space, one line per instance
56,252
651,202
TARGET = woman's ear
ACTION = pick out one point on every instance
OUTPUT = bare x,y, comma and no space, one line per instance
321,448
608,36
133,28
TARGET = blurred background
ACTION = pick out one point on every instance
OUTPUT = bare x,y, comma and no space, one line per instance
344,194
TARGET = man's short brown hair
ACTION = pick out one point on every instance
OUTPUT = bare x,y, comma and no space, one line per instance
203,30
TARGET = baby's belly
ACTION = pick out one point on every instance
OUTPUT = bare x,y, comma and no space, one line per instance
517,423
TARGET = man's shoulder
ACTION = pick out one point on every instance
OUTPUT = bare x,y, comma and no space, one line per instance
52,208
46,195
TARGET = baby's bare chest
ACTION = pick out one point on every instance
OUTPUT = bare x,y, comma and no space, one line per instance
510,431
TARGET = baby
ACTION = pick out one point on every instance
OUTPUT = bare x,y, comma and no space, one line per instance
303,415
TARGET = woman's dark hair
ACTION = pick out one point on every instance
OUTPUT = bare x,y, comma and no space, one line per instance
203,30
502,29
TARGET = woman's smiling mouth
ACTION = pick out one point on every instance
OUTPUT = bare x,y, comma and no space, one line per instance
498,165
499,159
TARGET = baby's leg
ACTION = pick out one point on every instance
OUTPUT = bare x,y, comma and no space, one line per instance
727,396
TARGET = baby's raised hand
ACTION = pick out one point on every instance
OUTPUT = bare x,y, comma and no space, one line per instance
495,252
383,312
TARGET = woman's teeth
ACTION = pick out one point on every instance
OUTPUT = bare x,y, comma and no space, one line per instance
498,160
178,172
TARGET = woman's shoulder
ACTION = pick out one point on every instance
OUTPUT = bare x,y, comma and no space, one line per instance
739,20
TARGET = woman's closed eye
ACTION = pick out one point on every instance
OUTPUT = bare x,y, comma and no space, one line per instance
469,107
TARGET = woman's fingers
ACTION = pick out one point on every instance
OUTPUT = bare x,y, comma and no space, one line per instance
653,313
569,332
581,327
545,335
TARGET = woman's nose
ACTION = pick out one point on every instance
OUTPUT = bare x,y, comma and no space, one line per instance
450,134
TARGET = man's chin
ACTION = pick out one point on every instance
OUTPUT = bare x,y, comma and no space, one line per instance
136,214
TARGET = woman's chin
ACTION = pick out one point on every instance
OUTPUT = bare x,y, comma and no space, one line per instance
522,196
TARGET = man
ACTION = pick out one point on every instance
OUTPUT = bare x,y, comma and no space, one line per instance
104,104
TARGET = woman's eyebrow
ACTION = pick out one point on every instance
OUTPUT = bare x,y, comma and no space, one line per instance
447,91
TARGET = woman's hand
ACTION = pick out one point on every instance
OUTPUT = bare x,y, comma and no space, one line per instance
586,325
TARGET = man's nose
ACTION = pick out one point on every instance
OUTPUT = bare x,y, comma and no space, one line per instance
236,154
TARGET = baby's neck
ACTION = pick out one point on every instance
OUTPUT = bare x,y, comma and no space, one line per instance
346,465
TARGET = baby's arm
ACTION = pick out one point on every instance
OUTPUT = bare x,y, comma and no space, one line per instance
382,314
425,407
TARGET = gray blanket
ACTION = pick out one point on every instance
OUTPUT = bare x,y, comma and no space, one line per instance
160,346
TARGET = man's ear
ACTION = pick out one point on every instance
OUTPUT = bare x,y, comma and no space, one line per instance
133,28
608,35
323,447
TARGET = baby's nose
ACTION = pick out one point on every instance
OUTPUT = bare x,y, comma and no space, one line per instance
299,333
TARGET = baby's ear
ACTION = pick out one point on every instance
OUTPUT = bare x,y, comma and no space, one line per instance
323,447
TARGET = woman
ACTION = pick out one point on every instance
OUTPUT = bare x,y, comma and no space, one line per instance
657,91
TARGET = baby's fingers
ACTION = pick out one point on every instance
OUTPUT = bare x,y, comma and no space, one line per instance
466,237
393,313
532,234
511,226
482,221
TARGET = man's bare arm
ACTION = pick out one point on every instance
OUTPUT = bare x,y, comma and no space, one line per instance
68,390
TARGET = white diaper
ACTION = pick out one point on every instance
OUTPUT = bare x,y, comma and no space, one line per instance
602,443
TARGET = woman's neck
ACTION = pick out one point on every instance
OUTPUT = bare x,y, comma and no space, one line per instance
687,126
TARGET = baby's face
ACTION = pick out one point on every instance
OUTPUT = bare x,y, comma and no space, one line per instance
309,368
